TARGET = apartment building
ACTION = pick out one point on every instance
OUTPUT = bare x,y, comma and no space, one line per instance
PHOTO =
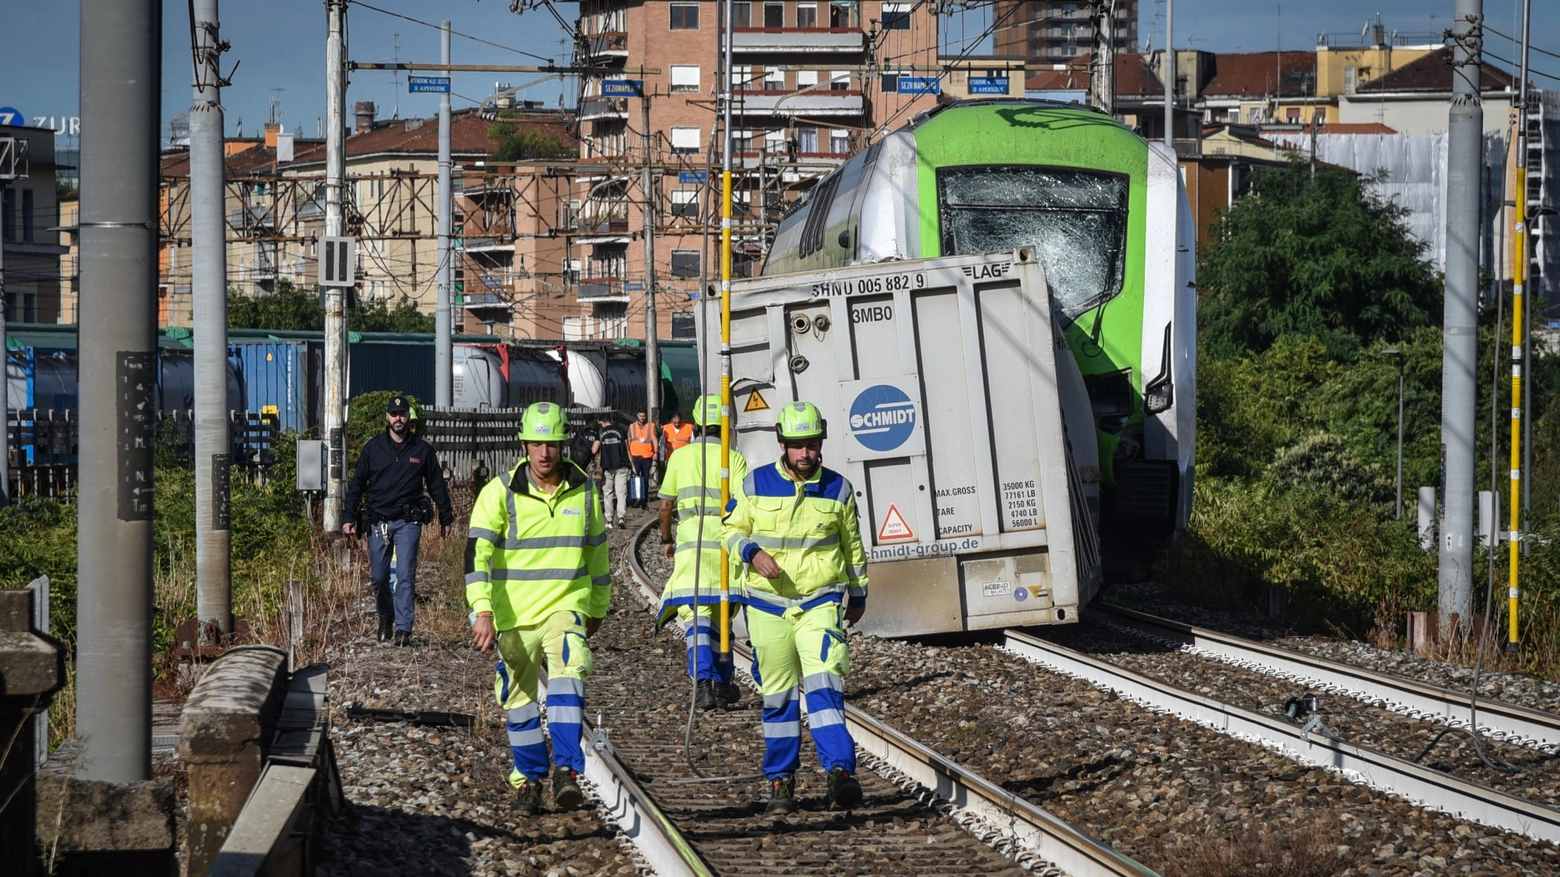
509,260
1060,31
803,101
29,250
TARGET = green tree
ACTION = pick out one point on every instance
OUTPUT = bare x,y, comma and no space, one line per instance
1312,256
517,144
288,309
380,317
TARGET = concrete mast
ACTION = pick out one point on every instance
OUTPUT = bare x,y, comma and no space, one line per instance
1460,323
652,344
1170,76
121,72
208,234
443,323
335,413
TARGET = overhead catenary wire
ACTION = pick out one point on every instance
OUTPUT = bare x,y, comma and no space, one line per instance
429,24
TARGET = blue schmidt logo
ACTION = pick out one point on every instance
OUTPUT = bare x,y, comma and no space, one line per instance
882,417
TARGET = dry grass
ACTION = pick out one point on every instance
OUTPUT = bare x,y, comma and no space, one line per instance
1308,850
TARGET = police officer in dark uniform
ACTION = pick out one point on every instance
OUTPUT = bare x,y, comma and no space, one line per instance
388,482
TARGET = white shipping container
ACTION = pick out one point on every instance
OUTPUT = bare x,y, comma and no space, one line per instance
948,391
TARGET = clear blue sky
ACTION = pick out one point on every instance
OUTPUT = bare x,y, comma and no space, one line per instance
281,44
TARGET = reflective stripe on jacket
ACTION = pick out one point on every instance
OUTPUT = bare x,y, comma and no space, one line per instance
810,529
641,441
692,483
530,554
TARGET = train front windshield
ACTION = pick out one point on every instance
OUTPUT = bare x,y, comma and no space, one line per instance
1076,221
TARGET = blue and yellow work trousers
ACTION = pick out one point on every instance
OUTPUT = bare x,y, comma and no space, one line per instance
560,641
800,652
702,634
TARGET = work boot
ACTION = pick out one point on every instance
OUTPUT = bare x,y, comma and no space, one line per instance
386,627
528,797
403,638
728,693
704,695
782,796
844,790
566,790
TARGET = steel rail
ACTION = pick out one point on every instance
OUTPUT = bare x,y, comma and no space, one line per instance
1027,825
666,851
1523,726
1416,783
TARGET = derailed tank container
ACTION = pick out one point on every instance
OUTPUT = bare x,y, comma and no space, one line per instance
534,376
479,381
176,381
41,378
944,384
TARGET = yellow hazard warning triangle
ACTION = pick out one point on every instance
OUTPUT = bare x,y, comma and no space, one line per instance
755,402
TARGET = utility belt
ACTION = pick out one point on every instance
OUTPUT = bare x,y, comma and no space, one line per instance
418,511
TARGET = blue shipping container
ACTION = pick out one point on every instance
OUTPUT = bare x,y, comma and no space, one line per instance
390,365
281,378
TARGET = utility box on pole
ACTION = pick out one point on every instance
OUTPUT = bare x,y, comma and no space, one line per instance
337,257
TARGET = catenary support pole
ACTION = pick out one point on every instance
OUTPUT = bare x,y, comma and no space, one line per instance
726,420
1170,75
121,50
443,319
652,344
334,413
1519,339
208,277
1460,321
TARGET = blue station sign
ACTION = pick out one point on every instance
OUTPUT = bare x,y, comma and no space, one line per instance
920,85
428,84
622,87
689,178
988,85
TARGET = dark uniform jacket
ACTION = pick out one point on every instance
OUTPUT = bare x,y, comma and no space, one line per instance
389,479
614,448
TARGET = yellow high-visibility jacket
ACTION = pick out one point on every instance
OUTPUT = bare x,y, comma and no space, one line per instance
530,554
692,482
809,528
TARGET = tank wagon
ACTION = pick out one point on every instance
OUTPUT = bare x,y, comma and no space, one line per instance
1010,448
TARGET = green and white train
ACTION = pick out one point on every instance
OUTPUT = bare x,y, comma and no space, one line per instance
905,284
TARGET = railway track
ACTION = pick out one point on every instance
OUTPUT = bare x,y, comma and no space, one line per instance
951,820
1375,728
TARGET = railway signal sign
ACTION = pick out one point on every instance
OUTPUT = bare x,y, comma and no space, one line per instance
336,261
622,88
428,84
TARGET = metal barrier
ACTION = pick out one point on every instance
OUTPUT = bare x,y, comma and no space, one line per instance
43,446
474,446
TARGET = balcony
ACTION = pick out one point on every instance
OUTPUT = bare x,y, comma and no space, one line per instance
602,289
603,108
818,102
603,230
485,301
609,46
798,41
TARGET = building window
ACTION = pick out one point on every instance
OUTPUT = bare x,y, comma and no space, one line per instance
1292,115
27,215
8,215
774,141
685,79
741,140
742,14
685,263
774,15
685,203
1348,80
774,79
840,13
839,140
685,141
896,16
806,78
685,16
889,82
807,139
806,15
